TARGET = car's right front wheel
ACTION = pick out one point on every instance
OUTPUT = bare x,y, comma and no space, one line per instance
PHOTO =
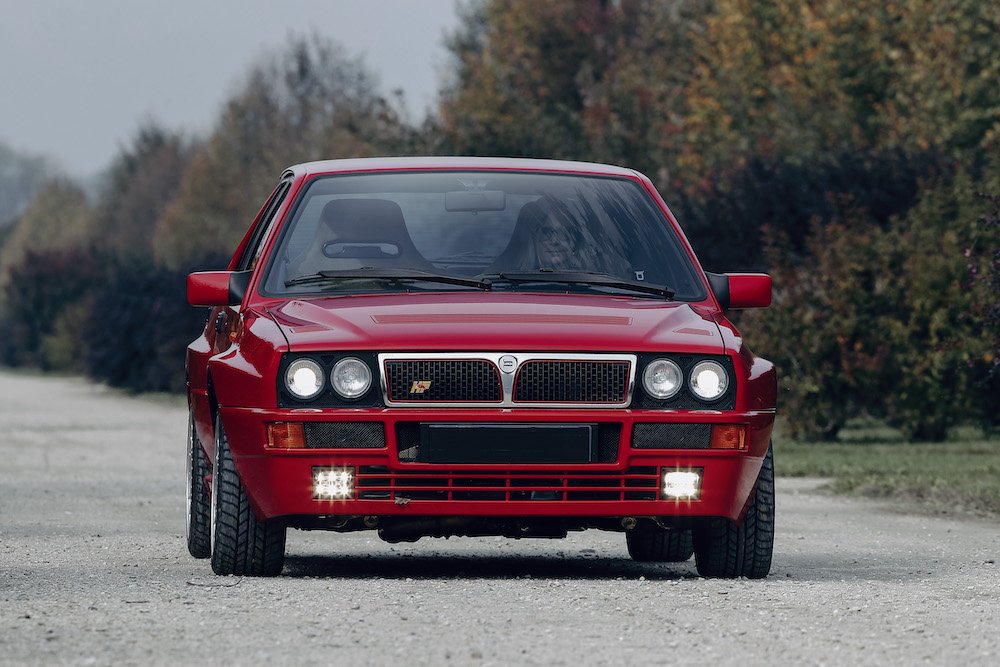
727,550
241,543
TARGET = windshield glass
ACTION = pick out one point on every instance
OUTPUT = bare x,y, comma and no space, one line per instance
476,224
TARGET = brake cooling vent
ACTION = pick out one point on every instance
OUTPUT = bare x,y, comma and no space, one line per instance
671,436
345,435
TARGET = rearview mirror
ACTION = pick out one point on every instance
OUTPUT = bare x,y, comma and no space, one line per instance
217,288
475,200
741,290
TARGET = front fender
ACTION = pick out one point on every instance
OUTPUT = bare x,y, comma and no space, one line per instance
244,375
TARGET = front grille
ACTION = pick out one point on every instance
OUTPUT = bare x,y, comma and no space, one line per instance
443,380
572,382
671,436
378,483
408,441
345,435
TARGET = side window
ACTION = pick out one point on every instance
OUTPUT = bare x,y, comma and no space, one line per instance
263,230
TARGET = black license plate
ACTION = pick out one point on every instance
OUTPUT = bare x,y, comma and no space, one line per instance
507,443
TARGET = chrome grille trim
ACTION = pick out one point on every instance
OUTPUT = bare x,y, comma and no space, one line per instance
506,378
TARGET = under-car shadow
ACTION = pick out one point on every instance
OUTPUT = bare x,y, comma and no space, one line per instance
438,566
795,567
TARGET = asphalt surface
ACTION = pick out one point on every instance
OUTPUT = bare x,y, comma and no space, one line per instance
94,571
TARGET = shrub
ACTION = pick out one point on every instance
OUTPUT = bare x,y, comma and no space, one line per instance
823,329
40,289
138,328
883,322
725,216
939,342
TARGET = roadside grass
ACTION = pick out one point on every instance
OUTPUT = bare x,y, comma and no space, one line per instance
960,475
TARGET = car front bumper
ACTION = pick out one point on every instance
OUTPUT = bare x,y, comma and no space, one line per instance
279,482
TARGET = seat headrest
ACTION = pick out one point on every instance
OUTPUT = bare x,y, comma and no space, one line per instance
364,220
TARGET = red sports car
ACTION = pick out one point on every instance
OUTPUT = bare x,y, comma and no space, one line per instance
465,346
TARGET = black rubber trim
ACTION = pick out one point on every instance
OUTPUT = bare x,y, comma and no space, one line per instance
720,286
238,283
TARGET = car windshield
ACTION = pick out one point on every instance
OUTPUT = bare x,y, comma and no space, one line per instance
517,231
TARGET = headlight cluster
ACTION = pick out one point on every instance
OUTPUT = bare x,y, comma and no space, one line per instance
663,379
350,378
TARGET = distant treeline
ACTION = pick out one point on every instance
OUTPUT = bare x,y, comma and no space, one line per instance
839,146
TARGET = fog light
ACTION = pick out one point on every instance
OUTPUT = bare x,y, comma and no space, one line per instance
682,484
333,483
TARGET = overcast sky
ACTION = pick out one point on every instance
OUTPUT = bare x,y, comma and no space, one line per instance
78,77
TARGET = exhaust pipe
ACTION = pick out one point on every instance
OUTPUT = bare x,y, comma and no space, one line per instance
629,522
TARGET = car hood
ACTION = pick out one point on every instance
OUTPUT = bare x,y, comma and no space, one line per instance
496,322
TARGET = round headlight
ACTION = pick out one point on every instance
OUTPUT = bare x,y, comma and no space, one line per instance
662,379
709,380
351,378
304,379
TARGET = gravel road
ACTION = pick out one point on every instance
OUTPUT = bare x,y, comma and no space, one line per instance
94,570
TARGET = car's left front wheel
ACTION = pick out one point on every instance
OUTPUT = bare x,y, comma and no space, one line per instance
241,543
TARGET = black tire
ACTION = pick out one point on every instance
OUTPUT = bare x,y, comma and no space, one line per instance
199,500
726,550
648,543
241,543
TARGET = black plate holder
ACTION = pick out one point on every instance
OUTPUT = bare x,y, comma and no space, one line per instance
507,443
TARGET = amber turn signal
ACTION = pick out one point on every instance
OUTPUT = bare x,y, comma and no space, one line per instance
286,435
729,436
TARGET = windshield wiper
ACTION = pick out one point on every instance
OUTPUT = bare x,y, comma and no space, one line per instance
581,278
392,275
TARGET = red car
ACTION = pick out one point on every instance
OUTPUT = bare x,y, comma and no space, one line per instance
465,346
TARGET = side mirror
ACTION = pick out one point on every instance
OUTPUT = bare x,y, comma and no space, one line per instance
217,288
741,290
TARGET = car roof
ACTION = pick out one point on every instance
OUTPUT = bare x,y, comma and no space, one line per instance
518,164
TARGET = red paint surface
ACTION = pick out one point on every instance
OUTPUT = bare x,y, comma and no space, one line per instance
749,290
208,288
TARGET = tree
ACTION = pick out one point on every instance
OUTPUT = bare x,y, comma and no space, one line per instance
940,346
57,218
886,321
141,181
823,329
594,80
20,177
727,217
310,102
44,302
801,78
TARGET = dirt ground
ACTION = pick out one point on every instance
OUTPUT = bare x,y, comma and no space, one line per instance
94,571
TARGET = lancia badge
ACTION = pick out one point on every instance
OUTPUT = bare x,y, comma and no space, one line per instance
508,363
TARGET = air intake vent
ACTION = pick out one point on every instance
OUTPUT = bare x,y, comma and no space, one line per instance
671,436
345,435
